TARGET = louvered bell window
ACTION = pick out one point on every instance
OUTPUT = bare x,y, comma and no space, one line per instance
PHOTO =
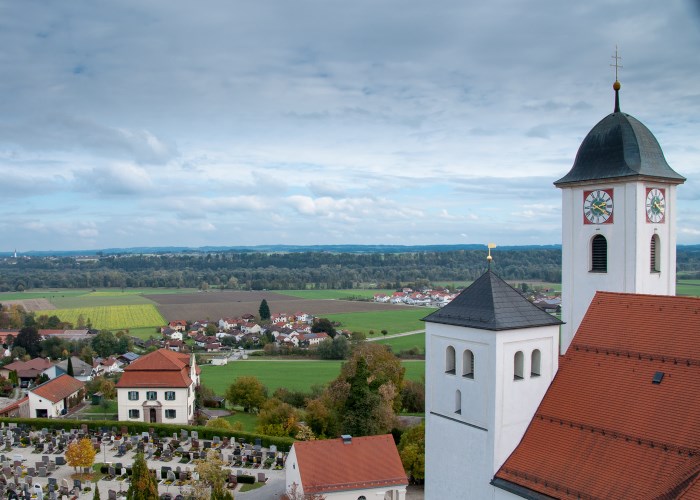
599,254
654,254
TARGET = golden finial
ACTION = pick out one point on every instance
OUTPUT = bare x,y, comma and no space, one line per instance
616,85
489,258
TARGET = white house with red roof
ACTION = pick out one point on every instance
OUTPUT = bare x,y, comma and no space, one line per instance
347,468
55,397
159,387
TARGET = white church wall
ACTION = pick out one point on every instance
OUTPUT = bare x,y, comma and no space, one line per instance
455,465
518,399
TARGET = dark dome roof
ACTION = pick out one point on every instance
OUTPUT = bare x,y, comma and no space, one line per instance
619,146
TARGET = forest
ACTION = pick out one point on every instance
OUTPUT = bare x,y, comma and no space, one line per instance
268,270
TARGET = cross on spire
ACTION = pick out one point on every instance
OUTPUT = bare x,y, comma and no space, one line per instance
616,64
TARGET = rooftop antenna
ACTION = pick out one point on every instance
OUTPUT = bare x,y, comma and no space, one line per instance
489,259
616,85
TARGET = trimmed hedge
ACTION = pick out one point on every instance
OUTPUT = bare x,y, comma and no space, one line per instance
245,479
162,430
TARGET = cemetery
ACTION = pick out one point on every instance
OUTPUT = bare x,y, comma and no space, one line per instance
34,464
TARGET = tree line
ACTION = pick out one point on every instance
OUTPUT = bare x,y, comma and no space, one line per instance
274,271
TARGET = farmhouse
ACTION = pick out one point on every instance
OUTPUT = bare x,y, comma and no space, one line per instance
347,468
159,387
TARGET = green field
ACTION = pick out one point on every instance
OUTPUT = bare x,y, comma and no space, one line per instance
248,420
43,294
293,375
111,317
334,294
405,319
146,332
688,287
405,343
64,293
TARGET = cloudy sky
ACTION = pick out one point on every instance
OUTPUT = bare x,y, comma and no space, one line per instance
131,123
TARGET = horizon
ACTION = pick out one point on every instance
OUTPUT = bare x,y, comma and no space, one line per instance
151,125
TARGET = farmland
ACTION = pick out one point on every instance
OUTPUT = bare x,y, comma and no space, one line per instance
335,294
397,320
111,317
293,375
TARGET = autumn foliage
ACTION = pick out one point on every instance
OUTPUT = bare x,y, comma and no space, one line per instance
80,453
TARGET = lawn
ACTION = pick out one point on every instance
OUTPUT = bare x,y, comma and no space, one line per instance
291,374
334,294
146,332
248,420
405,343
111,317
406,319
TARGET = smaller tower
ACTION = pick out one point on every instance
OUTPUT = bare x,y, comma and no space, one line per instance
490,356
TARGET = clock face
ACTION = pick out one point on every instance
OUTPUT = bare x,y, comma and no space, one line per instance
598,206
656,205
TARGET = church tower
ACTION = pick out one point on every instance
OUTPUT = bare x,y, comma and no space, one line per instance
490,357
618,217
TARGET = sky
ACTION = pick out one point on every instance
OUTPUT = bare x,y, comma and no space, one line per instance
130,123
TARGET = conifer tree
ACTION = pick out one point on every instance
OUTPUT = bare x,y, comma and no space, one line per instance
69,368
143,484
264,310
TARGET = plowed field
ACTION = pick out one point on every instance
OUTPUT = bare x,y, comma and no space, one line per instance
216,305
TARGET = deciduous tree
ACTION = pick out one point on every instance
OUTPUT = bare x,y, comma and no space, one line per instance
323,325
213,474
28,338
247,392
412,452
80,453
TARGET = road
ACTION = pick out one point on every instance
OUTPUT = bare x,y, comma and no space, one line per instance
404,334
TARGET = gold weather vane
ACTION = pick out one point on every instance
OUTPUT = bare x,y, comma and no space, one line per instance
489,258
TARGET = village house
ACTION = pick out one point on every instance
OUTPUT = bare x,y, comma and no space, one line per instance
363,467
159,387
27,371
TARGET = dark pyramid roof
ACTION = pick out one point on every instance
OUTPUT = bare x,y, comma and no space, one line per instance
491,304
619,146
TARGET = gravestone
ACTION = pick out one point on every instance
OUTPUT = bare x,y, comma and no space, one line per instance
207,445
195,435
60,461
261,477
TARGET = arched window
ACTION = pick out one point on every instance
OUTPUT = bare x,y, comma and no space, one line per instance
458,402
518,366
450,360
468,364
535,365
654,251
599,254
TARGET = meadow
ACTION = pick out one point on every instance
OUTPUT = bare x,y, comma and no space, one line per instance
688,287
111,317
405,319
295,375
405,342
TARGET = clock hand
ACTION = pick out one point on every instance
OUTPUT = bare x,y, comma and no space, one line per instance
656,204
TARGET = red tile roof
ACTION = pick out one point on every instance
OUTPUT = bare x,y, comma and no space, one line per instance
604,430
161,368
59,388
330,465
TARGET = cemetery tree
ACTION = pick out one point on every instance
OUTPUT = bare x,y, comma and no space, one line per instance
96,496
143,484
212,474
247,392
264,310
80,453
28,338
